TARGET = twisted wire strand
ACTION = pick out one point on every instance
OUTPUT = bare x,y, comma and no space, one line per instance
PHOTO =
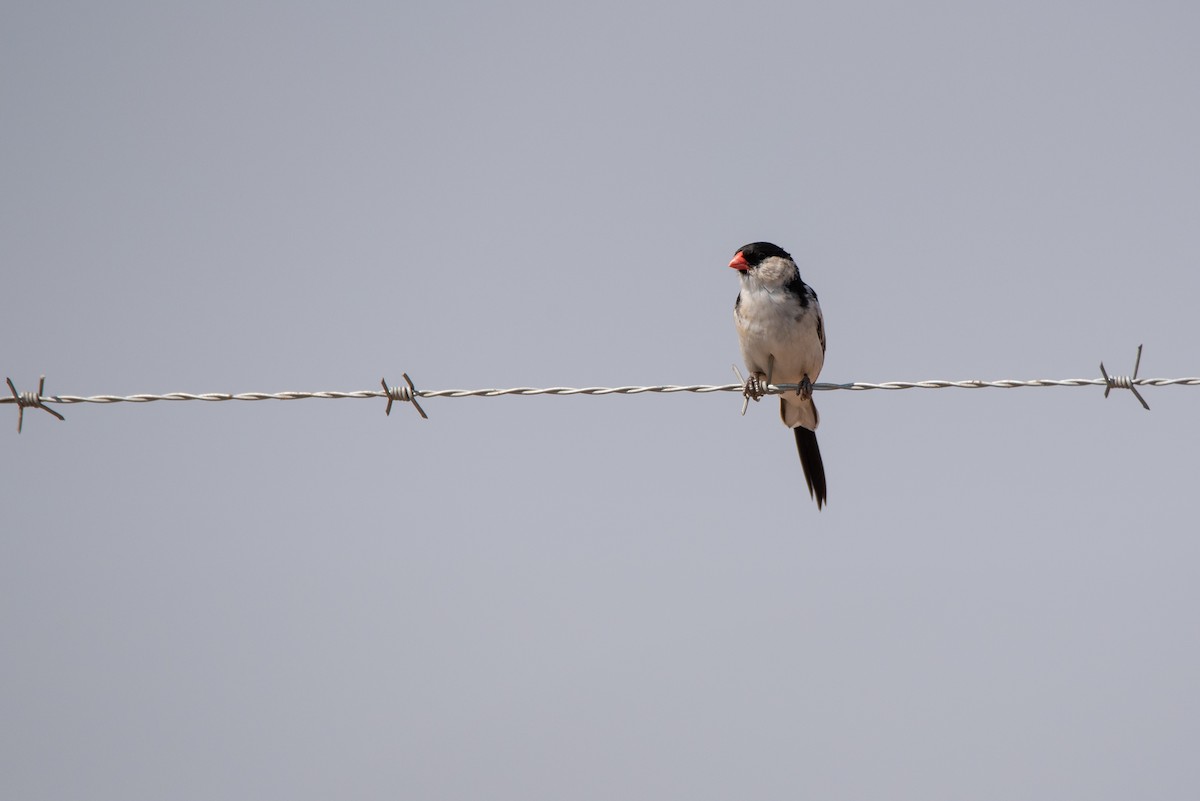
407,393
773,389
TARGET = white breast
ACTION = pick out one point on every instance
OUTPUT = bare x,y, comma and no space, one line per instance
772,323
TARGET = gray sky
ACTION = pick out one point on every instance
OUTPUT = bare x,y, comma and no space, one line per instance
596,598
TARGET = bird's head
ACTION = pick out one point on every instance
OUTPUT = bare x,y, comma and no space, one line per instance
770,264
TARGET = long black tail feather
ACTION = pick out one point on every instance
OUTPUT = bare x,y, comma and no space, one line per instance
810,460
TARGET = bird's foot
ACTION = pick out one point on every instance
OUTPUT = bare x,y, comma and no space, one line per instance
755,388
805,388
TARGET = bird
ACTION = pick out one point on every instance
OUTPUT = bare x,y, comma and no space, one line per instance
782,334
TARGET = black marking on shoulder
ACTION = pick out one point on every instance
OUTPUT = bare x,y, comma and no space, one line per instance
737,303
801,290
755,252
821,332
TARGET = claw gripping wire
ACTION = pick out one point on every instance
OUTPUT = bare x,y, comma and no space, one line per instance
1125,382
32,400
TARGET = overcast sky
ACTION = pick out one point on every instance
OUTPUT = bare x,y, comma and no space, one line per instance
596,597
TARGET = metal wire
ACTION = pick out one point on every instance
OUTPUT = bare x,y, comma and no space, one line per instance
772,389
409,393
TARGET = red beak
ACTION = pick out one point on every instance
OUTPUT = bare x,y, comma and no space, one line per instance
739,262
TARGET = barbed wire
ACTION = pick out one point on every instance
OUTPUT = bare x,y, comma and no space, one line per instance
408,393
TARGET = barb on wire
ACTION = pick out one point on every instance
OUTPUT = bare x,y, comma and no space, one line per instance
1124,381
31,400
408,393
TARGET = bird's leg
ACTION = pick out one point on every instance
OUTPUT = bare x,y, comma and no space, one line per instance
757,383
805,388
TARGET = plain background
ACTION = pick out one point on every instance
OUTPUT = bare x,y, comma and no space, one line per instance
596,597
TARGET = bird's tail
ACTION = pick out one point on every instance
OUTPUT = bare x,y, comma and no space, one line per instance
810,460
798,412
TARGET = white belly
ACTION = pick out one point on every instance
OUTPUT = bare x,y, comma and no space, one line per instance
777,334
768,326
